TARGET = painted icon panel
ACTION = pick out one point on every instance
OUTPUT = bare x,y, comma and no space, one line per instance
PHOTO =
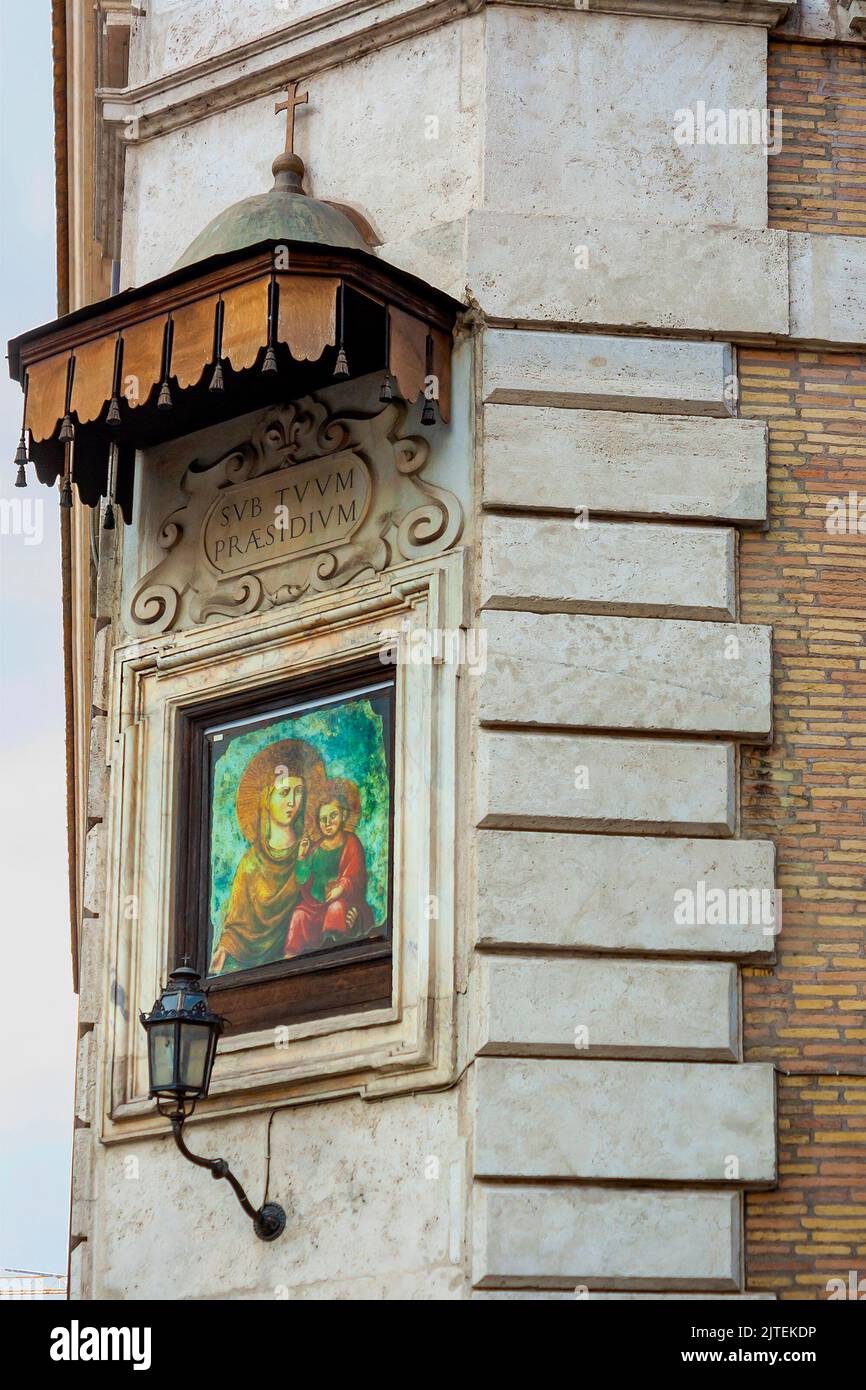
299,849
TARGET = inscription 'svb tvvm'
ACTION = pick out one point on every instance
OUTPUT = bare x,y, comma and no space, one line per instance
292,512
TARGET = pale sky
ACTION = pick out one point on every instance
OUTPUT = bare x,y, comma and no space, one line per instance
37,1005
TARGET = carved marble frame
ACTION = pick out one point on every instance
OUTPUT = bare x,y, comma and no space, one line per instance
412,1044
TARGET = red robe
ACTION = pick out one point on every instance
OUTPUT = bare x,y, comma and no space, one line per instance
311,919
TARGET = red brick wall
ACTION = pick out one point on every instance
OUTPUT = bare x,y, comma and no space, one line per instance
817,183
807,792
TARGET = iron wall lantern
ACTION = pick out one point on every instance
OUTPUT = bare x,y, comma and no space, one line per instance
182,1035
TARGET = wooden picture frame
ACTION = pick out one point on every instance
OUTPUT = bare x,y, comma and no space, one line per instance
320,981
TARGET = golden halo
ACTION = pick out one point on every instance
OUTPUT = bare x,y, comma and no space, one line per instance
347,790
291,757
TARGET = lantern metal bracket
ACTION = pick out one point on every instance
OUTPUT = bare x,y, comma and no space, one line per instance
182,1077
269,1221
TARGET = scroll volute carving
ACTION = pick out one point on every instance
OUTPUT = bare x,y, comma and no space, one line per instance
341,498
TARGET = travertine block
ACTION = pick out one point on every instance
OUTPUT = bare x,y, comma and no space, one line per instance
720,280
82,1187
620,893
101,663
91,959
555,459
85,1077
94,869
572,670
573,369
538,1006
554,144
80,1259
615,1238
375,1197
633,1121
97,771
828,287
585,782
641,568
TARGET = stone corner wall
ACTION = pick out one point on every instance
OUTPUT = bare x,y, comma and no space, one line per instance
615,1122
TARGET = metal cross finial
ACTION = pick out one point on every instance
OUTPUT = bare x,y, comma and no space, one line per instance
292,100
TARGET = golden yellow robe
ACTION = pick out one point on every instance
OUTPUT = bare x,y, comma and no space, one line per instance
265,892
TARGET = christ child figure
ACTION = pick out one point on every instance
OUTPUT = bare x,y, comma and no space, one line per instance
332,875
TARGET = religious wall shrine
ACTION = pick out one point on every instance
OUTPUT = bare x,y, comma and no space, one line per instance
466,846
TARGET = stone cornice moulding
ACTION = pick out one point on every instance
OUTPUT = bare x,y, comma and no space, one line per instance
263,65
353,30
764,13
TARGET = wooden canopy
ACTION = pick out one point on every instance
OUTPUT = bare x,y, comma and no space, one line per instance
139,368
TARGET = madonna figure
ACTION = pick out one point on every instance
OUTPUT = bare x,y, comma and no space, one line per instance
276,793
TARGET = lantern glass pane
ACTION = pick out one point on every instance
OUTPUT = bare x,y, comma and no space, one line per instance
161,1041
194,1039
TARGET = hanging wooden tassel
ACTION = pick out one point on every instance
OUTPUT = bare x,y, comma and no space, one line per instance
386,395
21,459
67,429
216,382
428,414
270,362
164,401
66,484
113,416
341,366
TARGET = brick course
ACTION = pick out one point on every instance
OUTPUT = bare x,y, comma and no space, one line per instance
807,792
817,182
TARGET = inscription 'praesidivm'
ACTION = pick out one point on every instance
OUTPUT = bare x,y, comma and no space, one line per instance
290,512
